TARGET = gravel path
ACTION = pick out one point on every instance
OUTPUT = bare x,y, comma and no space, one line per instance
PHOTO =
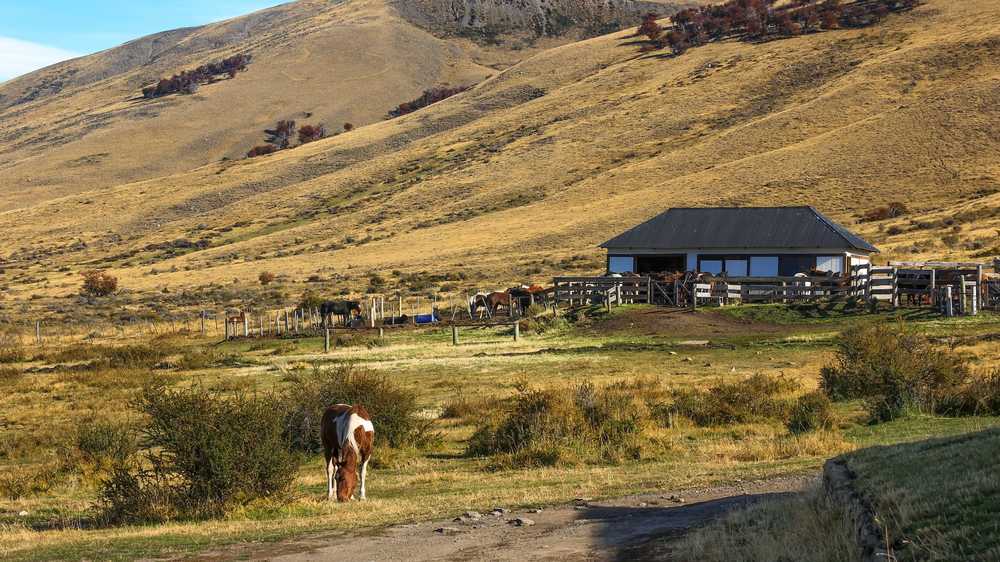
609,530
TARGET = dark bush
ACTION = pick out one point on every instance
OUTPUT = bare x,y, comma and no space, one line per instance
99,284
206,454
188,81
431,96
978,396
893,370
890,211
311,133
266,277
811,412
392,407
760,397
262,150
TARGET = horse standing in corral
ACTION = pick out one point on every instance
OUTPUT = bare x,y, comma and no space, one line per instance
340,308
348,437
476,302
497,299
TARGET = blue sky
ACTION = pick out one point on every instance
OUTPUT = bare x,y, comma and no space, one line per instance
37,33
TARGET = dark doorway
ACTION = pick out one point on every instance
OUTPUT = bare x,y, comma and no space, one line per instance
660,264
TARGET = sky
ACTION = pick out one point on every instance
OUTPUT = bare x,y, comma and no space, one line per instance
37,33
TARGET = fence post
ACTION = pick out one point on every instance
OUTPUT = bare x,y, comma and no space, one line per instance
226,320
949,311
517,331
246,326
38,332
454,335
326,341
381,333
202,323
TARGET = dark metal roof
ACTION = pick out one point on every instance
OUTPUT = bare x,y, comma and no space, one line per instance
798,228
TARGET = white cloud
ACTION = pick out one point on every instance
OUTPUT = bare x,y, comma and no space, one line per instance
21,57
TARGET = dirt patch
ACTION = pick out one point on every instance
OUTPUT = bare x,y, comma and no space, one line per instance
681,323
609,530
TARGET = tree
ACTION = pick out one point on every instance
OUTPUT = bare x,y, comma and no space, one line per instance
282,134
99,283
348,127
649,26
266,277
311,133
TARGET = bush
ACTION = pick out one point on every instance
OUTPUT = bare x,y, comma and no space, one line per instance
11,350
262,150
392,407
188,81
538,320
99,283
431,96
311,133
207,453
811,412
103,444
132,356
753,399
560,426
979,396
890,211
893,370
266,277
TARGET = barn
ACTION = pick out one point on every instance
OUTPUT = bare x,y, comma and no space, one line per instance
742,242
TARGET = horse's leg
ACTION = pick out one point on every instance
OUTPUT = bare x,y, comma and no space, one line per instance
331,490
364,473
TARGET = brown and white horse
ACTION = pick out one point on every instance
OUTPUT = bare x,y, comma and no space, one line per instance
348,436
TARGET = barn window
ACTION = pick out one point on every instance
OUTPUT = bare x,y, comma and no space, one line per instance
711,266
764,266
833,264
621,264
736,268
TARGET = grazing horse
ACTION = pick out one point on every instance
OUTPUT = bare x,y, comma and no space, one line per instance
348,436
342,308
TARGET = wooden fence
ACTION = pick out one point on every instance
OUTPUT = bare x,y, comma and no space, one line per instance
594,290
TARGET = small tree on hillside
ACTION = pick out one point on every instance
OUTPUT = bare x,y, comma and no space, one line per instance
348,127
282,134
266,277
649,27
99,283
311,133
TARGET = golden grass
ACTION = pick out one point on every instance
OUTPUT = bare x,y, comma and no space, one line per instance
503,181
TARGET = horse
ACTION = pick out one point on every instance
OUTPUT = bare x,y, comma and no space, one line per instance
348,437
342,308
497,299
477,300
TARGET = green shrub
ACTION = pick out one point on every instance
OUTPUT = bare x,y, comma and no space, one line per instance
539,320
566,426
102,444
759,397
197,358
206,453
979,396
893,370
811,412
392,407
23,481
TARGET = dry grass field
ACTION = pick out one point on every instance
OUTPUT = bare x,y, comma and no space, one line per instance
525,174
49,398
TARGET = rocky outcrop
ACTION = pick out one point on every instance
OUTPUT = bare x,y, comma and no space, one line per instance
490,18
838,482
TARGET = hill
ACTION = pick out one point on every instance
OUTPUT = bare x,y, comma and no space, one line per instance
83,124
526,173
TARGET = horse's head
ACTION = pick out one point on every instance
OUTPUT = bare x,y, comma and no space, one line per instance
347,476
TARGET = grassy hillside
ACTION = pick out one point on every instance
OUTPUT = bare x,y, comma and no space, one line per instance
940,499
525,174
82,124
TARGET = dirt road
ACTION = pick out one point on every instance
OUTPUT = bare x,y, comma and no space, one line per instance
593,531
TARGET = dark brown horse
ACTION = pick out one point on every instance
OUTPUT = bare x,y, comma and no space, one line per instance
495,300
